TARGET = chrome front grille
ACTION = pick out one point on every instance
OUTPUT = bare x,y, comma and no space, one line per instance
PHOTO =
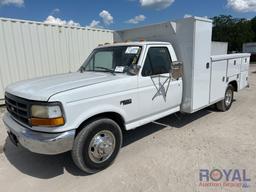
17,107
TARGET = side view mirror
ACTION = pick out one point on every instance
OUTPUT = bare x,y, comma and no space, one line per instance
133,69
177,69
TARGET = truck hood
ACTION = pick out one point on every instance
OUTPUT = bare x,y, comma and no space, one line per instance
41,89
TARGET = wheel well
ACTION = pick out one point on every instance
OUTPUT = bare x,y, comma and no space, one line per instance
234,84
111,115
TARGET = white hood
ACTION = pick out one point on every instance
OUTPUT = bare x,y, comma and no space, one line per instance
42,89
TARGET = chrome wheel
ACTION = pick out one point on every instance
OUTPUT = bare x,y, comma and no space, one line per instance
102,146
228,97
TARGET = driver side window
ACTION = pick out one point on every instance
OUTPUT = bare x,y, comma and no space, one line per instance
158,61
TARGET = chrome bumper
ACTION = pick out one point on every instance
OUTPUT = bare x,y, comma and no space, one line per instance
38,142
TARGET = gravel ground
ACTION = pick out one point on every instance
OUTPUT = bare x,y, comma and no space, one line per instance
155,157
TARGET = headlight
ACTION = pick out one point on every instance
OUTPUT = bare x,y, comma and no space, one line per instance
42,111
46,115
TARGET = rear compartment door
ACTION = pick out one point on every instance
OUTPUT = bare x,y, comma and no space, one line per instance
243,79
244,72
218,80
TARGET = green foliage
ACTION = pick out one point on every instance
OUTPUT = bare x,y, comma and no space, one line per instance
253,25
234,31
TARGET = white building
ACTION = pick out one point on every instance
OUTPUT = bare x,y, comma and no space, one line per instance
249,48
31,49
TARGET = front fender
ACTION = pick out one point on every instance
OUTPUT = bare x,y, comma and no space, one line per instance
96,111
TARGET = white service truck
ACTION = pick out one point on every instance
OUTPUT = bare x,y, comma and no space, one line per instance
122,86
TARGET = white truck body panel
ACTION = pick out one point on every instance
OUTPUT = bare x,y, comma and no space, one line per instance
200,72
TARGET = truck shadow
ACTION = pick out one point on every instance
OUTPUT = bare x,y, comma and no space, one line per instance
177,120
46,167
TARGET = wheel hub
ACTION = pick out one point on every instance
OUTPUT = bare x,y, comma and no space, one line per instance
101,146
228,97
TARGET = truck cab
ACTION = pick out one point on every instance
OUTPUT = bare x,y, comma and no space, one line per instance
125,84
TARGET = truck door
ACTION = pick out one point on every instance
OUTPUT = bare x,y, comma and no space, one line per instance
158,92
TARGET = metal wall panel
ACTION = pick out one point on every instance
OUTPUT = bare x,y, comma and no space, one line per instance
219,48
32,49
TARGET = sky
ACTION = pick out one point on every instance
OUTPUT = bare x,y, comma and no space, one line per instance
120,14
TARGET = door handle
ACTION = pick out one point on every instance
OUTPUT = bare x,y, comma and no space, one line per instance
207,65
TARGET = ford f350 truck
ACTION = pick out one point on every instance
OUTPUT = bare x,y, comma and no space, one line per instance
122,86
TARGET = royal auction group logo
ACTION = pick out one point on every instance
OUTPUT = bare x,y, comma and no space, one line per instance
235,178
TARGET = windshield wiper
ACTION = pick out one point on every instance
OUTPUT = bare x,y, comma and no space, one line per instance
82,69
107,70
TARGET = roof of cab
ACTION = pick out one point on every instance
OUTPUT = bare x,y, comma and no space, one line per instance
136,43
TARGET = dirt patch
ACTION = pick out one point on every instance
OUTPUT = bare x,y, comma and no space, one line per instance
2,109
1,149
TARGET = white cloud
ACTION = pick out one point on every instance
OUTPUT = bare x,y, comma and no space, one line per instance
242,5
55,11
187,16
156,4
18,3
136,19
95,24
57,21
107,17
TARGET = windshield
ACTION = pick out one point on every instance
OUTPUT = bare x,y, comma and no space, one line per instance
112,59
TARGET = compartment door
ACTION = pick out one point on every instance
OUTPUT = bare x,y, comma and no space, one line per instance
218,80
234,66
244,79
245,64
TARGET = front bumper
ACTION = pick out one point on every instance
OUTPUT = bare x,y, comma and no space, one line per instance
38,142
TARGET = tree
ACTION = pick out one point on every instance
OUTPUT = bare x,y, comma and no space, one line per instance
234,31
253,25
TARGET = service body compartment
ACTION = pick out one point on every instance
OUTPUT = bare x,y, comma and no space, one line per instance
234,66
244,79
227,68
245,64
218,80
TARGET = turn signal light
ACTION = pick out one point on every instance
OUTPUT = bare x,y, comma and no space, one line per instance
47,122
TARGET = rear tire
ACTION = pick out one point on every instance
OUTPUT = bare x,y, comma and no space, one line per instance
225,104
97,145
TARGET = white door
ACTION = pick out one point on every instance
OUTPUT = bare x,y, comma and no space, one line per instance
243,79
158,92
218,80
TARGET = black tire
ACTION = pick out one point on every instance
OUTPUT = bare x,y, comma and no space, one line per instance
223,105
80,151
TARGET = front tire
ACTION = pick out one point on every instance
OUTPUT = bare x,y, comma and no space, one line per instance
226,103
97,145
